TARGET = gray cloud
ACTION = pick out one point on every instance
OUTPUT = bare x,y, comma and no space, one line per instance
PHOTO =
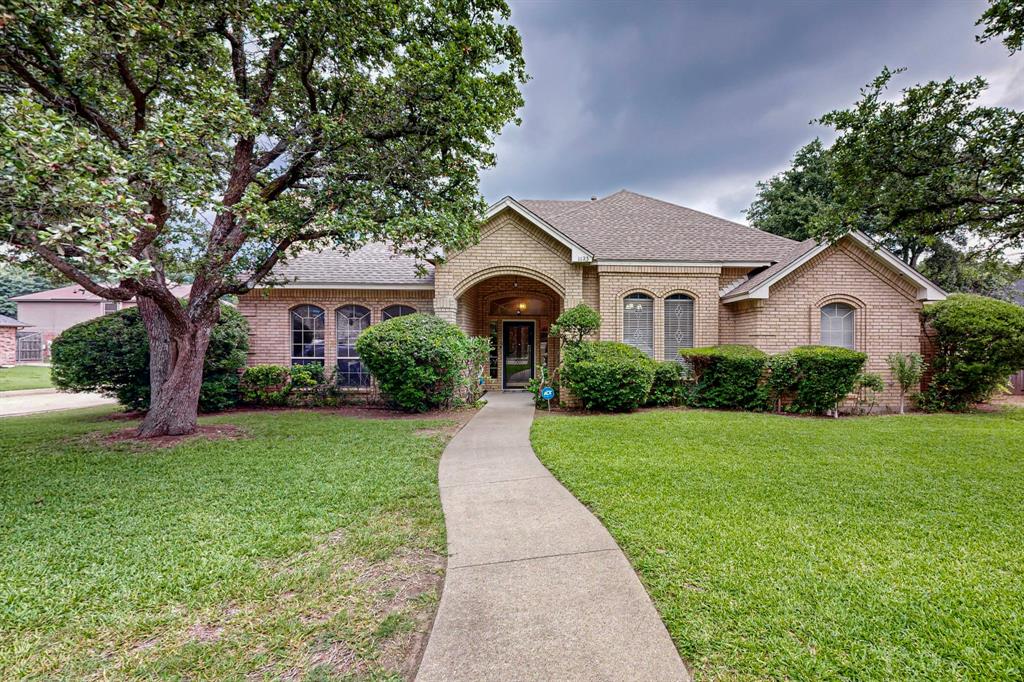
695,102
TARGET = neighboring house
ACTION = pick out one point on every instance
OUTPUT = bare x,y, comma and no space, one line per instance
51,312
9,340
662,276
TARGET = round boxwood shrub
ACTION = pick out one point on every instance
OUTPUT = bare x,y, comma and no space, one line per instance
667,388
608,376
110,355
727,376
417,360
825,375
979,343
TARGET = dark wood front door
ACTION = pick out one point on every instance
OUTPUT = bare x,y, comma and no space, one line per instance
518,354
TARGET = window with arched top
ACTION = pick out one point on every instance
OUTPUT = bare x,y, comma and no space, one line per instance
396,311
837,327
307,335
678,325
638,322
349,323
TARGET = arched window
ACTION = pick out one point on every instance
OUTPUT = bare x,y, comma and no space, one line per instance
837,325
307,335
397,311
678,325
350,321
638,322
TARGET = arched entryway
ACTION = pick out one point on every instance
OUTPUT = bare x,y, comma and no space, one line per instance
516,313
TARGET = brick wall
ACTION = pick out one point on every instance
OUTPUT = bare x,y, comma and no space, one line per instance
700,283
8,345
268,312
887,317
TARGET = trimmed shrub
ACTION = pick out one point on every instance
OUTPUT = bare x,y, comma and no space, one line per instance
267,385
667,388
417,360
110,354
783,375
979,343
477,357
307,376
575,323
726,376
608,376
826,375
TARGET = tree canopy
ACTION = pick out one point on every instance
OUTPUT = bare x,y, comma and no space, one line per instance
151,140
1004,19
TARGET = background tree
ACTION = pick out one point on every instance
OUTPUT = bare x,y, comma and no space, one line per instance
788,204
1004,18
963,270
932,164
155,140
16,280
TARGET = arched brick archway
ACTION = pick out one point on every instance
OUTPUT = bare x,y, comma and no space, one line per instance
503,302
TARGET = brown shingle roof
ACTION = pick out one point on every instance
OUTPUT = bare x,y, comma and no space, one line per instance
631,226
749,285
373,264
549,208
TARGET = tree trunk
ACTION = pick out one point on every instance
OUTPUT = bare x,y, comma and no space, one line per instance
158,330
174,404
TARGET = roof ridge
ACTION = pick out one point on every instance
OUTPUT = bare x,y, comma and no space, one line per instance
710,215
588,204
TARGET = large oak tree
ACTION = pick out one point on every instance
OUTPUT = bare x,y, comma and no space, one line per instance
149,141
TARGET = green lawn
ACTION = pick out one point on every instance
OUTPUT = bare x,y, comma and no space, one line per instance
884,548
312,548
21,377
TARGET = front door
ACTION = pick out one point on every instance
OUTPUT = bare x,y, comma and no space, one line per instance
518,355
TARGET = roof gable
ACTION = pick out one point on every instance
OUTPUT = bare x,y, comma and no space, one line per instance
759,286
579,253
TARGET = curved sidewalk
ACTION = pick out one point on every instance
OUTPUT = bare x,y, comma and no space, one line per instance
536,588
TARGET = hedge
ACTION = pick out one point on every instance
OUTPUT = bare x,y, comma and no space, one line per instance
979,344
667,388
417,360
727,376
608,376
110,354
825,375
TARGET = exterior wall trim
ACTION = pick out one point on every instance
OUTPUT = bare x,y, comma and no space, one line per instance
684,263
355,287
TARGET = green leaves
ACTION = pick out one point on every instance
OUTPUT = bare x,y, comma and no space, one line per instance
929,165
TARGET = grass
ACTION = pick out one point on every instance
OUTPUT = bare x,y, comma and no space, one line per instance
313,547
882,548
21,377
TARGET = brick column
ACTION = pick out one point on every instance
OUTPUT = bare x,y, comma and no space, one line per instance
446,307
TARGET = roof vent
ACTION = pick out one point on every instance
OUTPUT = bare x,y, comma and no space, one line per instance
593,198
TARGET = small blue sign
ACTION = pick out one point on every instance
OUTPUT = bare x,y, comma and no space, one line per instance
547,393
480,380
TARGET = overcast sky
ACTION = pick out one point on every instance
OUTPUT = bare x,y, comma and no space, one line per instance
694,102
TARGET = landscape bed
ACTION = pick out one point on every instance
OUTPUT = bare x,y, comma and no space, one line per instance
878,548
304,545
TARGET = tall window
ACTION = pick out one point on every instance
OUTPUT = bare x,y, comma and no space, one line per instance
397,311
837,325
638,322
307,335
678,325
350,321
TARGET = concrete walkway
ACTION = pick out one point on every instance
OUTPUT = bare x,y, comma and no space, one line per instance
536,588
39,400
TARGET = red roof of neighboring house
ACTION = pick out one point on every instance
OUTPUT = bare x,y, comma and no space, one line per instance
74,292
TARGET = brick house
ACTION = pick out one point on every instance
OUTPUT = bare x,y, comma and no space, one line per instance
662,276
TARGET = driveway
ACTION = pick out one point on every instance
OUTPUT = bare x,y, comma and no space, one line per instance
38,400
536,588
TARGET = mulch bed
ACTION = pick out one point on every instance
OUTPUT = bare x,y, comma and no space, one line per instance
204,432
